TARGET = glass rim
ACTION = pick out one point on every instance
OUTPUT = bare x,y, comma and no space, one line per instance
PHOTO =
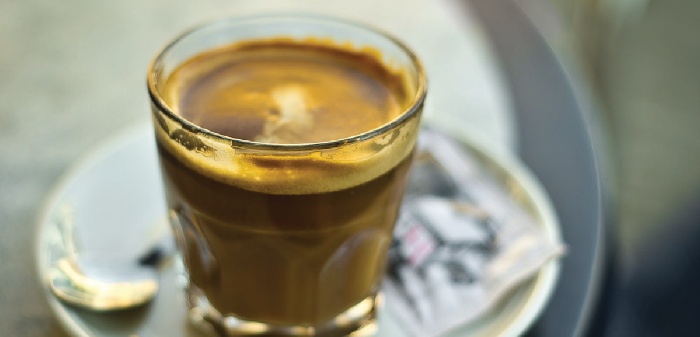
415,106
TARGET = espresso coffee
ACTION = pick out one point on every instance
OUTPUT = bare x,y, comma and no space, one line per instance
293,236
280,91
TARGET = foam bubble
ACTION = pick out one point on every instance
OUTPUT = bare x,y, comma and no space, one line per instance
294,119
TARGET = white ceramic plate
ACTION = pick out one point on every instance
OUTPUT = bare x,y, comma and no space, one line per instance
116,196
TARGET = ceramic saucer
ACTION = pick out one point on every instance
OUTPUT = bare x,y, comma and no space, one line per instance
116,196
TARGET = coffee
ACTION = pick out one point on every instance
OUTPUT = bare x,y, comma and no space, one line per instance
281,91
284,162
294,259
299,258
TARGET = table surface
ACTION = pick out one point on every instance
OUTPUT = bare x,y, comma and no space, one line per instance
72,74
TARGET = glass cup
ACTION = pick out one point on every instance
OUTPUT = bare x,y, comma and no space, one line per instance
284,239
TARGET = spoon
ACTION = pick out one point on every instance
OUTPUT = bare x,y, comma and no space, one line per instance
105,282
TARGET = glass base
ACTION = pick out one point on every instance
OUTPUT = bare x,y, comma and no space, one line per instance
358,321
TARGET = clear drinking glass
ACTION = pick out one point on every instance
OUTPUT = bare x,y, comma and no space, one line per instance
284,239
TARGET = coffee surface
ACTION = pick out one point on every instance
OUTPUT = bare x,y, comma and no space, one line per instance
286,92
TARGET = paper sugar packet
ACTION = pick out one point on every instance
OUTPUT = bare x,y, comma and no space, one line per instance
461,242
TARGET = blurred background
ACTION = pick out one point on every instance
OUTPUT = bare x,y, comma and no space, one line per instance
640,64
71,72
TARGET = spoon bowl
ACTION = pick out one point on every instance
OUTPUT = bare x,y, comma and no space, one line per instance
101,283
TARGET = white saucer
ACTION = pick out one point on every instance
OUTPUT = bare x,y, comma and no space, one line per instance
116,196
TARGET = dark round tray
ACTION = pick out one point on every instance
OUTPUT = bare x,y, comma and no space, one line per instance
554,139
